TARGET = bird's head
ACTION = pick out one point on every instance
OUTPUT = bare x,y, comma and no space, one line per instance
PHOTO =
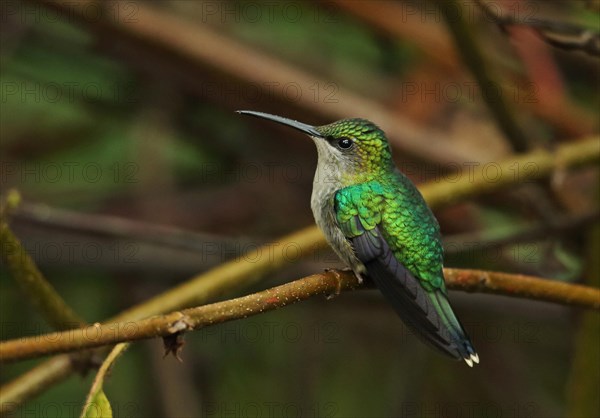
356,147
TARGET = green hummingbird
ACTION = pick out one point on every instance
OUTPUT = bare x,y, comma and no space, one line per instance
378,223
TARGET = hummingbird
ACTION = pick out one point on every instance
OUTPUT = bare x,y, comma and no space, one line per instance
378,223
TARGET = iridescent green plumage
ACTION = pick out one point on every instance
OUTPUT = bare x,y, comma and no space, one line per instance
379,224
406,223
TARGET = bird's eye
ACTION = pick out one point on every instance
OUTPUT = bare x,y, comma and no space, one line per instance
345,143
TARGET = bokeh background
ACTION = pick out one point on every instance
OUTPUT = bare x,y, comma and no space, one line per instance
117,126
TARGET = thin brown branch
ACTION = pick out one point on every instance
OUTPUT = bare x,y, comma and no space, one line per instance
97,335
522,286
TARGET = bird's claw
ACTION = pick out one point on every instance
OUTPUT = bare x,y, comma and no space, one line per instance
338,277
338,286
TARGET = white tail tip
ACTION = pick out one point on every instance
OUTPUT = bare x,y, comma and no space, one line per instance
473,358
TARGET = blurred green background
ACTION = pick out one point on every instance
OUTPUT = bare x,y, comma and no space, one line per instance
125,110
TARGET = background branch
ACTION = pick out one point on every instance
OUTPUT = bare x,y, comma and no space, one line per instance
205,47
491,90
478,180
117,227
36,288
561,35
583,386
490,239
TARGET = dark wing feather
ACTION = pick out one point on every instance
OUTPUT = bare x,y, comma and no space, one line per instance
426,311
410,300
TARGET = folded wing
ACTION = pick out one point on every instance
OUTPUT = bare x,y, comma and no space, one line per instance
427,312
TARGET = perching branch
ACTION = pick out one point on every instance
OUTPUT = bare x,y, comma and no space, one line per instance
522,286
325,283
187,319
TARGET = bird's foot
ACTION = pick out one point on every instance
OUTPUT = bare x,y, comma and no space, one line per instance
359,277
338,277
338,286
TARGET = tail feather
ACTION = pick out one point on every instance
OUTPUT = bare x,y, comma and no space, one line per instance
453,324
427,313
432,326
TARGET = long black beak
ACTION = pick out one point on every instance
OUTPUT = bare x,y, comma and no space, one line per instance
302,127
